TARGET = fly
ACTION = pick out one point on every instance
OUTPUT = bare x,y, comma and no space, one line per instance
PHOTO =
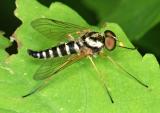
88,44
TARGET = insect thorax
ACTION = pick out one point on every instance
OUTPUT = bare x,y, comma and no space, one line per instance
93,40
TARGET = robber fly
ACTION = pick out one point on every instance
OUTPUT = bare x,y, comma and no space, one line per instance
88,44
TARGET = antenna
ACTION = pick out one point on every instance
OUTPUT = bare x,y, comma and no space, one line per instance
122,46
127,47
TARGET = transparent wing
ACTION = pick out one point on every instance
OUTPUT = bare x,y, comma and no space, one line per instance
55,29
53,66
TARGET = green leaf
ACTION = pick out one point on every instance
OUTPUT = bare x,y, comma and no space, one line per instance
77,88
4,42
6,111
135,17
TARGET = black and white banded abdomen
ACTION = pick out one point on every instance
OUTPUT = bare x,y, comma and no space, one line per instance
69,48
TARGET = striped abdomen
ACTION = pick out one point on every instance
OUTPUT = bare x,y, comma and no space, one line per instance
58,51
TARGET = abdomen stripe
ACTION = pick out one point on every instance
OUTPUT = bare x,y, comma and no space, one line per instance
58,51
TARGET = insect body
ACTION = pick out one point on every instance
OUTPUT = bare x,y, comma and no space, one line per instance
88,44
92,41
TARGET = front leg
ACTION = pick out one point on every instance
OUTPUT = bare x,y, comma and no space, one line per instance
101,53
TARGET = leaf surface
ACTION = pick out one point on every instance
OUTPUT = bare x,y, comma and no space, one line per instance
77,88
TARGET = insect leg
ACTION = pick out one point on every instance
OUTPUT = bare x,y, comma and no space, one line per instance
70,37
102,79
119,66
41,86
45,82
68,62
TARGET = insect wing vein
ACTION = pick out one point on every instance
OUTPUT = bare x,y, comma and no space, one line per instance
51,67
56,29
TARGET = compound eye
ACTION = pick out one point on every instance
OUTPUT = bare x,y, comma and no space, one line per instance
110,43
